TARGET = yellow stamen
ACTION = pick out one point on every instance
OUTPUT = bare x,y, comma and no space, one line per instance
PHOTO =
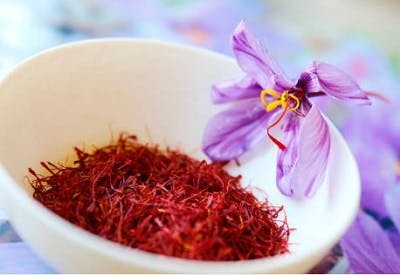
281,100
270,92
397,168
273,105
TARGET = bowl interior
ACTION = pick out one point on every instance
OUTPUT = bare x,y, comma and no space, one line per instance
82,93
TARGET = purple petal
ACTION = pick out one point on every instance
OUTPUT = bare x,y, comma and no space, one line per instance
377,173
368,247
235,90
394,237
323,77
254,59
377,169
392,202
232,132
301,167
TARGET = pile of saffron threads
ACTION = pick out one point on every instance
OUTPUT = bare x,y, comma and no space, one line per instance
162,201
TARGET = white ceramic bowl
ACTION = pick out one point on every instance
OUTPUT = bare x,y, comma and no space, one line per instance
74,94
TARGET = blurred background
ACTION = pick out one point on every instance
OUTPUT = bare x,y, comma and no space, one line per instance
362,37
292,30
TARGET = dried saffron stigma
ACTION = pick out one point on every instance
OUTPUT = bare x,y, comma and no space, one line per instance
162,201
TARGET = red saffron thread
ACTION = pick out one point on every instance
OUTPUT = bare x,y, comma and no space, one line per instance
274,139
162,201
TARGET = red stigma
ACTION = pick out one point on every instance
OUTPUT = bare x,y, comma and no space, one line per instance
272,138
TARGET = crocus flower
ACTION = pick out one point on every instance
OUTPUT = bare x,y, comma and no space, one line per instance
372,244
369,130
373,135
264,97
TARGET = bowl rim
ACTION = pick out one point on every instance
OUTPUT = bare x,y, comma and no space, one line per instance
139,257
